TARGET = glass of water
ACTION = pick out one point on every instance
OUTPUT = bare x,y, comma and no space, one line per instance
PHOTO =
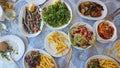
10,14
3,28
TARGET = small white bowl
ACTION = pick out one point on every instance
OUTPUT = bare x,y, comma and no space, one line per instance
104,12
100,57
114,52
100,39
40,51
88,26
50,2
22,13
50,48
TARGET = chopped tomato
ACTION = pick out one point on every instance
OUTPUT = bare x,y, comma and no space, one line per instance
33,52
35,30
99,14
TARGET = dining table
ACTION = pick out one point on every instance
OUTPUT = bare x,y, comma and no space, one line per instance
79,57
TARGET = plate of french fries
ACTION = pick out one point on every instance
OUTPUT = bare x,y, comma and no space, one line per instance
57,43
37,58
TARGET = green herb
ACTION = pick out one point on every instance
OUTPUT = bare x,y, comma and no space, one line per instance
56,15
3,54
11,50
94,64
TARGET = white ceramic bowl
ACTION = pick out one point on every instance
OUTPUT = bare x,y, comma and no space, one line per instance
100,57
40,51
104,12
88,26
114,51
50,48
22,14
100,39
50,2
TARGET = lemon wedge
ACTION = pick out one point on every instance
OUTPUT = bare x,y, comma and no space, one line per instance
31,8
55,1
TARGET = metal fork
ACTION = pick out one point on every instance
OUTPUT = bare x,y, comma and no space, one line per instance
111,16
9,54
42,5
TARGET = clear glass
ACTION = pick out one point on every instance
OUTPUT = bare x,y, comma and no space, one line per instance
3,28
10,14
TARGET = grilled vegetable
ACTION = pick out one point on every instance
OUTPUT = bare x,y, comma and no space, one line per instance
90,9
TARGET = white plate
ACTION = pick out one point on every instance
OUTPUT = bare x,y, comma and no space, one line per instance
100,57
88,26
50,2
22,13
38,2
17,45
40,51
51,49
114,52
113,38
104,12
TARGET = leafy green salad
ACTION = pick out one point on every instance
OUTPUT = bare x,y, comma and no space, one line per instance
56,15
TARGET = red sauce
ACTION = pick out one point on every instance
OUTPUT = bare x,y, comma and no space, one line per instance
105,30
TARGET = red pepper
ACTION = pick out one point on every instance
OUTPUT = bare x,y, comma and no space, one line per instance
38,16
35,30
99,14
33,52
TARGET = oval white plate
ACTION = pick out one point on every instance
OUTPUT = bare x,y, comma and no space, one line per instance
40,51
50,2
104,12
50,48
95,26
22,13
37,2
88,26
17,44
100,57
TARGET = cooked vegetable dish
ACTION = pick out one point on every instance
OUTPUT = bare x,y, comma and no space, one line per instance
32,19
90,9
102,63
56,15
81,36
105,30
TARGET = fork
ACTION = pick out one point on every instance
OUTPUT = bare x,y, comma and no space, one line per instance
42,5
111,16
9,54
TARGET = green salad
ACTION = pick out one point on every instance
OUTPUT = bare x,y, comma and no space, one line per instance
81,36
56,15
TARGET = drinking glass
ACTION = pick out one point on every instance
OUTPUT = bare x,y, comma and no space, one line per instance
3,28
